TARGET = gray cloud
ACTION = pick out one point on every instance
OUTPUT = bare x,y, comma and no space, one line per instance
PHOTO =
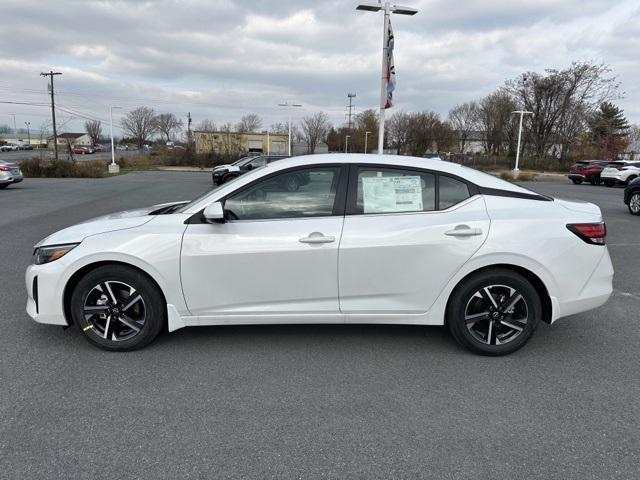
220,59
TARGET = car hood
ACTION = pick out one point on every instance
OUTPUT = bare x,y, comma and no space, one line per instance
106,223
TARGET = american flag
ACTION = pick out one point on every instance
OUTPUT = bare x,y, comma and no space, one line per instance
391,68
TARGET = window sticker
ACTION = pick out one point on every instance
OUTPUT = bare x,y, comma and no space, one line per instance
392,194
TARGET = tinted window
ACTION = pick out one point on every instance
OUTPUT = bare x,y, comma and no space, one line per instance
382,190
294,194
452,191
258,162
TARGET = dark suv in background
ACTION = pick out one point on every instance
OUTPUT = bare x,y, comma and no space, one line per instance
587,171
223,173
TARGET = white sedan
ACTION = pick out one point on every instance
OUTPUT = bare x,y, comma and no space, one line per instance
331,239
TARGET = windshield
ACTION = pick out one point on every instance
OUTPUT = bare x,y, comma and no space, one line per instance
186,207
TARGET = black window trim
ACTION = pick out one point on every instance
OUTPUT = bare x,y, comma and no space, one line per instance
339,202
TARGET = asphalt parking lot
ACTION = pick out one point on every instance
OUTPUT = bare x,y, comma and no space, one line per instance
310,401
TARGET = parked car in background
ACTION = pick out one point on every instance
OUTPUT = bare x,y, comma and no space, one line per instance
22,145
587,171
99,148
632,196
9,147
223,173
82,149
122,147
620,173
9,173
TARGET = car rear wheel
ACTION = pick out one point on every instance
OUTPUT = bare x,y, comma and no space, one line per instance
494,312
634,203
118,308
576,181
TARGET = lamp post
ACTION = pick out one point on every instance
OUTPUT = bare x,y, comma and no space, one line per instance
346,143
28,124
289,105
388,10
113,166
522,113
366,138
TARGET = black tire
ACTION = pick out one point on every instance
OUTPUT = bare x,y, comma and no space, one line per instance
634,203
480,332
630,179
595,179
147,315
5,185
291,183
576,181
609,183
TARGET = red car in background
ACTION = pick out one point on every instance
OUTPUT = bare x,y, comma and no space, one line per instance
82,149
587,171
99,148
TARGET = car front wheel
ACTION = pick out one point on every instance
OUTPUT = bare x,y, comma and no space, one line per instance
634,203
494,312
118,308
576,181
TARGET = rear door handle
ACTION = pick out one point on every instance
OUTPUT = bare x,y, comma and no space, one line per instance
463,231
317,237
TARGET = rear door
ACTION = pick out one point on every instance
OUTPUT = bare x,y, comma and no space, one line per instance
406,233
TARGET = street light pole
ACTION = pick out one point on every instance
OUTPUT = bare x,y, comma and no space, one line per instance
290,105
366,138
522,113
346,143
113,166
28,124
388,10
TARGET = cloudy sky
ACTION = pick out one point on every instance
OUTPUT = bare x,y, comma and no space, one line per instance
220,59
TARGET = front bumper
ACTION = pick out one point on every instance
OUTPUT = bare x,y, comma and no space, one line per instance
576,176
45,293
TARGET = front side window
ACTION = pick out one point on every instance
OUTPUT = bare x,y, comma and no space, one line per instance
298,193
382,190
258,162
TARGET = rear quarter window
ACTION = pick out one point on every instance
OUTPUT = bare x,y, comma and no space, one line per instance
451,191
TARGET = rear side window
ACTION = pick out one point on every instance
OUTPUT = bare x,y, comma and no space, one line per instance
451,191
382,190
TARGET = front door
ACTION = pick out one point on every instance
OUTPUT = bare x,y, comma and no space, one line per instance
276,257
406,233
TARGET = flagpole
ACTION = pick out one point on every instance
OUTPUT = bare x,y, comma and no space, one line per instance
383,80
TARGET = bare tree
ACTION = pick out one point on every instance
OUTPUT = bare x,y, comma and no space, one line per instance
314,130
167,124
279,129
463,119
559,99
206,125
423,132
397,128
249,123
140,124
496,121
94,130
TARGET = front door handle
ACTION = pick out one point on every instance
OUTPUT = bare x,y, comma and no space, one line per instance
317,237
463,231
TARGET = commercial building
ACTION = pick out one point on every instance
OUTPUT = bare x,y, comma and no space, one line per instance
240,143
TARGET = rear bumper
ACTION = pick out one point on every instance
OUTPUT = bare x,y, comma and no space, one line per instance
576,176
595,292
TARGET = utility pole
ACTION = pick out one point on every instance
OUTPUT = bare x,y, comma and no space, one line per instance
188,128
289,105
346,143
53,111
351,96
113,166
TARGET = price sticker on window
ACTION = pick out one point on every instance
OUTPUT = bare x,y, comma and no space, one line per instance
392,194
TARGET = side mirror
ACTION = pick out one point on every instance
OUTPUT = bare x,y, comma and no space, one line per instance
249,167
214,212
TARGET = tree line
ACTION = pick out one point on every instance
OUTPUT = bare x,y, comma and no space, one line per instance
572,116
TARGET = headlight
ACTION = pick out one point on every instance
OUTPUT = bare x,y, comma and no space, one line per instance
54,252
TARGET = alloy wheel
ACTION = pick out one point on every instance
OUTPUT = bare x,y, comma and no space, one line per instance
114,311
496,315
634,204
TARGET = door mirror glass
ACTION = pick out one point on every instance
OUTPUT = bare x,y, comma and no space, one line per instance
214,212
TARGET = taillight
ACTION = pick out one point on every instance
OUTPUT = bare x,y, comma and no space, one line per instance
593,233
4,168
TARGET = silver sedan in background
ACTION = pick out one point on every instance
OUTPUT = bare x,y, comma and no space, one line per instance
9,173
